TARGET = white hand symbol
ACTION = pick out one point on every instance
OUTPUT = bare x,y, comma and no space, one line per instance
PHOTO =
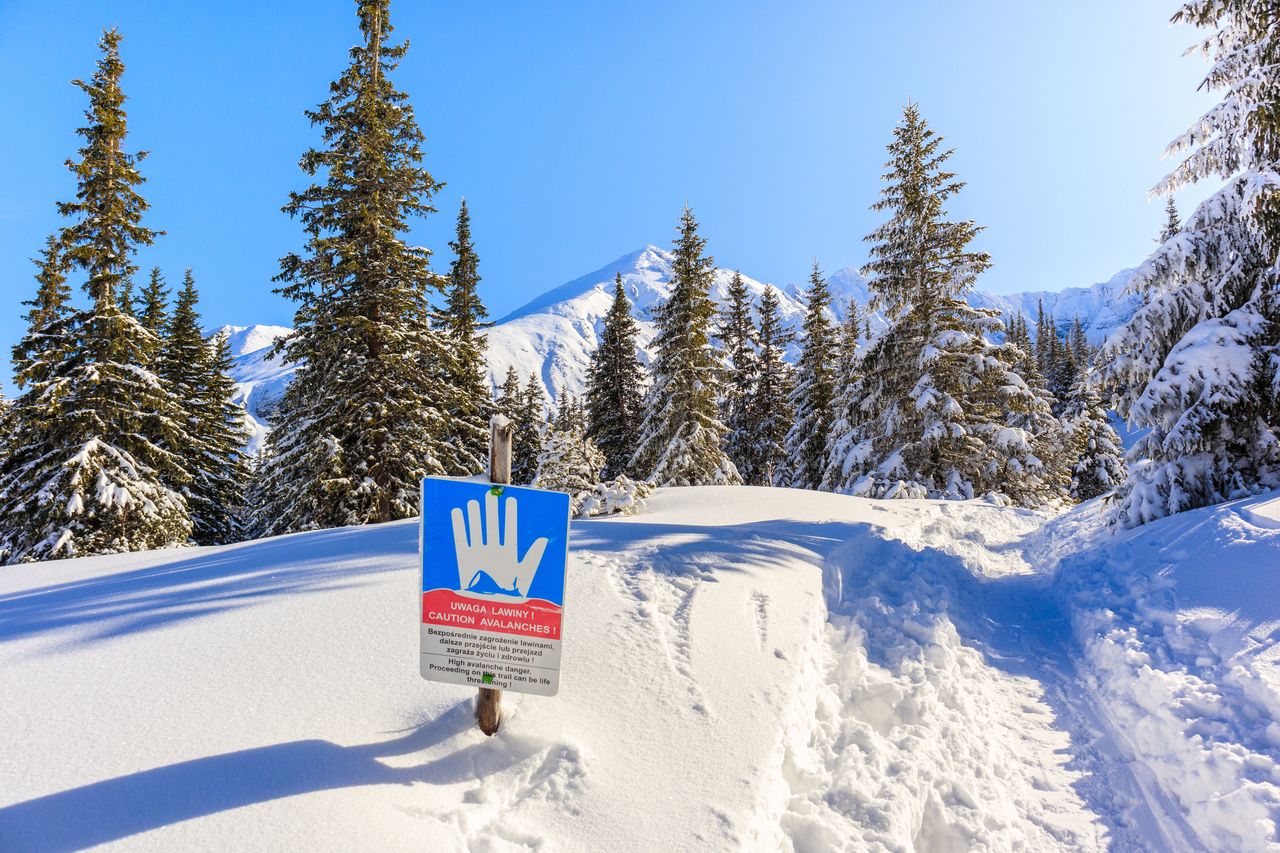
496,557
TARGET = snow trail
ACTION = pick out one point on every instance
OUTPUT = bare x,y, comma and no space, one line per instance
940,724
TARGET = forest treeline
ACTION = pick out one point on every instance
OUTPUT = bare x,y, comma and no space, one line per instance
124,435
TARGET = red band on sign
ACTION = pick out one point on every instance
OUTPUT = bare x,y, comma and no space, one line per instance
536,617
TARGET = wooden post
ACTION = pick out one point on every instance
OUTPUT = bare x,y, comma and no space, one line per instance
489,701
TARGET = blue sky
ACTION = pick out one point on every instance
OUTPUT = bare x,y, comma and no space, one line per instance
577,130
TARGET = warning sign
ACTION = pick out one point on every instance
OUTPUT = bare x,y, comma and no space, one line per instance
493,568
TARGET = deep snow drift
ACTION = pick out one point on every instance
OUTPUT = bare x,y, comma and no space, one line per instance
743,669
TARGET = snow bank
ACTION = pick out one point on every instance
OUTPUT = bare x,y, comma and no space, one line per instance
1178,622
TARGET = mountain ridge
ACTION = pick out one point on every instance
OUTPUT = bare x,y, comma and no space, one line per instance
555,333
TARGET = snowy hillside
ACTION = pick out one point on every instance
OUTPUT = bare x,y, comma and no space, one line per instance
259,376
743,669
555,334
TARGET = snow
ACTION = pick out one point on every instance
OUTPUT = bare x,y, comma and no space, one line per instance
1178,623
259,374
743,669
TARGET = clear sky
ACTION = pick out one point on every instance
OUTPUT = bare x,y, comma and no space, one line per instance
577,130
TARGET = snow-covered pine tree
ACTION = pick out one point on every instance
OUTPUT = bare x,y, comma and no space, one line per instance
615,386
507,400
1197,363
49,321
768,408
530,423
1172,223
193,370
847,405
365,416
933,395
738,341
90,470
681,434
569,461
36,360
812,399
1081,352
1032,413
153,309
462,319
1097,456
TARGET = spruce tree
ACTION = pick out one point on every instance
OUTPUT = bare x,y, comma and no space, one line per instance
681,434
38,355
1097,457
153,311
768,409
526,439
90,472
366,415
847,404
1196,364
462,319
1172,224
507,401
615,386
569,461
1081,353
934,395
194,370
738,341
813,397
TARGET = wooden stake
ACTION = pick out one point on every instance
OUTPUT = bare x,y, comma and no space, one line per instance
489,701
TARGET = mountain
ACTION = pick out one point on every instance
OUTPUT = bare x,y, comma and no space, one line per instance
555,333
259,375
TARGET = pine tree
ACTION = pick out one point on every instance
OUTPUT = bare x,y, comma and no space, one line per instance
813,397
738,341
846,407
934,395
681,434
153,312
1197,363
37,356
366,415
1172,224
89,470
194,370
530,423
507,401
463,319
569,461
1081,353
768,409
1035,417
1097,457
615,386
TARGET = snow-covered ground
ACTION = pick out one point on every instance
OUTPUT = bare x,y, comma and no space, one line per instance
743,669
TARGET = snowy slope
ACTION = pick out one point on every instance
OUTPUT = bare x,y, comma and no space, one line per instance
259,375
743,669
